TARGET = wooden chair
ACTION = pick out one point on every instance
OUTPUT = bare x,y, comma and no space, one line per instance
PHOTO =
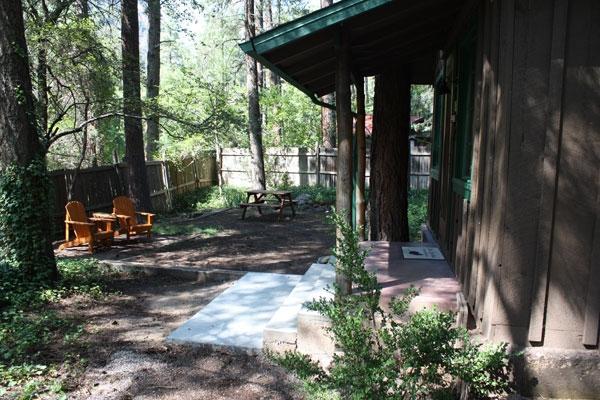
86,232
124,210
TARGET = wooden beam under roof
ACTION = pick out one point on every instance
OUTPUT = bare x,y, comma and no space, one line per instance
380,39
289,55
303,68
384,32
360,27
407,58
423,43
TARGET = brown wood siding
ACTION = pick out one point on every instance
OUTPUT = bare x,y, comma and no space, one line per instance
576,212
524,135
523,245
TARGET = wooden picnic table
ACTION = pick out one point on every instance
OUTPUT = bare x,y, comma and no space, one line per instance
262,198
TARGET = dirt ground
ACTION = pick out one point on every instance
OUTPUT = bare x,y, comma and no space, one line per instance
128,357
126,348
225,241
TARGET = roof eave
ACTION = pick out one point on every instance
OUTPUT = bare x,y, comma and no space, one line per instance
309,24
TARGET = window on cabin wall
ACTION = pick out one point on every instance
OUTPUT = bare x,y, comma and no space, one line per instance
463,150
438,127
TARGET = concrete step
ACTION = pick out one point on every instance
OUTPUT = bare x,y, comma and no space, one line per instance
281,332
313,338
237,317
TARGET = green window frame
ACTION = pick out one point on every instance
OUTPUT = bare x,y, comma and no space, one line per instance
463,151
436,147
438,125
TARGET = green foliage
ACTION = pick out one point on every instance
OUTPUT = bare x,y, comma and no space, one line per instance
417,212
394,355
209,198
25,220
213,197
167,228
29,324
421,100
83,72
319,194
294,113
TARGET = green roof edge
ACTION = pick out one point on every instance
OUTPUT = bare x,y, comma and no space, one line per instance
302,27
309,24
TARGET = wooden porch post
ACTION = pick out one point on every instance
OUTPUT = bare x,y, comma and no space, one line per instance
361,150
343,187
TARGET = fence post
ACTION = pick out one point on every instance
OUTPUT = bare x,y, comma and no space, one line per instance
318,165
167,184
196,179
219,162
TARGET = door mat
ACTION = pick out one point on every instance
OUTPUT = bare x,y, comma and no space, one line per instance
421,253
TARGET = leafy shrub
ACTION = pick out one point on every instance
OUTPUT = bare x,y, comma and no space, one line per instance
319,194
417,212
25,220
208,198
28,323
393,355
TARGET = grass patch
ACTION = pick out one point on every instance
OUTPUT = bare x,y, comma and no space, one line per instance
30,327
209,198
172,228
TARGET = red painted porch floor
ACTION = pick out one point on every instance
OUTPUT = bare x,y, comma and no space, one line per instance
434,278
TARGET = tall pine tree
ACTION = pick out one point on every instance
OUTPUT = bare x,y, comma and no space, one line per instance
132,106
254,118
25,233
390,156
153,84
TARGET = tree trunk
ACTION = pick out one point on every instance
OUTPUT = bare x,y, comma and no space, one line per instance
274,80
258,29
42,87
390,157
132,108
84,8
328,122
343,186
328,115
361,157
25,221
153,84
269,24
254,119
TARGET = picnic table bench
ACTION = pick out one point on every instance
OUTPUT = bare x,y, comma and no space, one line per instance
275,199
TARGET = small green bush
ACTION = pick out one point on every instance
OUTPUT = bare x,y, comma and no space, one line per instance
209,198
393,355
28,323
417,212
319,194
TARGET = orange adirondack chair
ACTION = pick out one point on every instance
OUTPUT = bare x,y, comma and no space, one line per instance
124,210
86,232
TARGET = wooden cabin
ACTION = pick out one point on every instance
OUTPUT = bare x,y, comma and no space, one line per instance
515,183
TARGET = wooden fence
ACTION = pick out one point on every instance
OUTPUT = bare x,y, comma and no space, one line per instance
96,187
308,167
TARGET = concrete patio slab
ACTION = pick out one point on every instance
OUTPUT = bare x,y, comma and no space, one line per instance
238,316
395,273
281,331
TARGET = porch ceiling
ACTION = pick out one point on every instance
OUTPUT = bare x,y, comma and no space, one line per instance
382,33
